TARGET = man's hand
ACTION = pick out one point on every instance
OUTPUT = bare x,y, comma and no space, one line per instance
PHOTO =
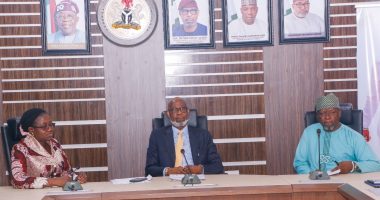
344,166
176,170
194,169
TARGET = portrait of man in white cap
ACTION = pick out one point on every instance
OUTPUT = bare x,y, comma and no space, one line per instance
301,22
247,27
341,147
66,19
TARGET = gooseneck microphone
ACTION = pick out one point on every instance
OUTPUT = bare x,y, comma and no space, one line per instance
74,184
187,163
189,178
319,149
318,174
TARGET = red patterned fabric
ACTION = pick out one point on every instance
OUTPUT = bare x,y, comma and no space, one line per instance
32,165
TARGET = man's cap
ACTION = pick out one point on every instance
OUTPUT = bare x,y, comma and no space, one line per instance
328,101
187,4
67,5
248,2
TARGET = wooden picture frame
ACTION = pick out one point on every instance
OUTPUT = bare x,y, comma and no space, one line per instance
198,29
304,21
247,23
65,27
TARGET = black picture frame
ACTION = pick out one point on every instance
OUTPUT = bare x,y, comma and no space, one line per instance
241,29
310,24
53,42
175,35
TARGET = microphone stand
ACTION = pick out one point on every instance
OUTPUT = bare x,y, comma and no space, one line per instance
189,178
74,184
318,174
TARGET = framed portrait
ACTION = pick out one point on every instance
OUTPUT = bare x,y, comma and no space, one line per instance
304,21
247,23
65,27
189,24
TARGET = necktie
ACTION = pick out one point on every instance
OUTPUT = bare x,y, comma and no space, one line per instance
178,147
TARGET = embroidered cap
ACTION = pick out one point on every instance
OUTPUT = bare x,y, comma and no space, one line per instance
187,4
248,2
67,5
328,101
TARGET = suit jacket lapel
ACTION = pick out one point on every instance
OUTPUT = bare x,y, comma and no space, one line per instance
194,145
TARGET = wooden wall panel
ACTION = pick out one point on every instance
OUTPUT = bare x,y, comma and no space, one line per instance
227,105
62,84
234,152
69,87
84,134
135,93
198,90
249,128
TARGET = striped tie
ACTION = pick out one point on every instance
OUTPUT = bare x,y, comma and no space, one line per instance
178,147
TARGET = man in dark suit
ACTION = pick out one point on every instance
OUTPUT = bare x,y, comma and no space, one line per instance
170,146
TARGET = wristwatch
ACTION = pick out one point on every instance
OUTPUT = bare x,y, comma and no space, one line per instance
357,169
166,171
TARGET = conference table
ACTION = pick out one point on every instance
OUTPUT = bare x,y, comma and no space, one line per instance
348,186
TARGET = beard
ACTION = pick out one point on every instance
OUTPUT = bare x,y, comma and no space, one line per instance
179,124
331,128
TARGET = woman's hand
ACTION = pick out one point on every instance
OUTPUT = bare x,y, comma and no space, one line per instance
58,181
82,177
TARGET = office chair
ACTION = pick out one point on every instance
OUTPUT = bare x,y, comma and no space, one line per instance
350,117
10,136
195,120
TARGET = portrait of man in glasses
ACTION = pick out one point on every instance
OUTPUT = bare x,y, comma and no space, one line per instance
300,22
188,12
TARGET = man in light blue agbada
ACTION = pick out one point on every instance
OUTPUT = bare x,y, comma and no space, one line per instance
340,146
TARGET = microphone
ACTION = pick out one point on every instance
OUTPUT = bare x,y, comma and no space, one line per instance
74,184
189,178
318,174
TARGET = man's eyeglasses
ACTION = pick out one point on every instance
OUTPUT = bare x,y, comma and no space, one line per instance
190,11
299,5
68,17
46,127
178,110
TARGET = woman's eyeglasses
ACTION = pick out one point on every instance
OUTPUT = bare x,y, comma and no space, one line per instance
46,127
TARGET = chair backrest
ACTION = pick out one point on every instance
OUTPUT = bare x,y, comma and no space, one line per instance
195,120
10,136
350,117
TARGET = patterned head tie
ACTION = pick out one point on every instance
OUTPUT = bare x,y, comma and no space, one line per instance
328,101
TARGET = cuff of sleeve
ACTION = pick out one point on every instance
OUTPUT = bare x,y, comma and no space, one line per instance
39,182
165,171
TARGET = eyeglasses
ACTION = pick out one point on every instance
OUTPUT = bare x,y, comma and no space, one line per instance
186,12
46,127
68,17
299,5
178,110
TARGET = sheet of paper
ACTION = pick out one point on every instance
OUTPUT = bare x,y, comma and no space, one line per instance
179,177
330,173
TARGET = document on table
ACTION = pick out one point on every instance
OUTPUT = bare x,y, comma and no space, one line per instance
128,180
